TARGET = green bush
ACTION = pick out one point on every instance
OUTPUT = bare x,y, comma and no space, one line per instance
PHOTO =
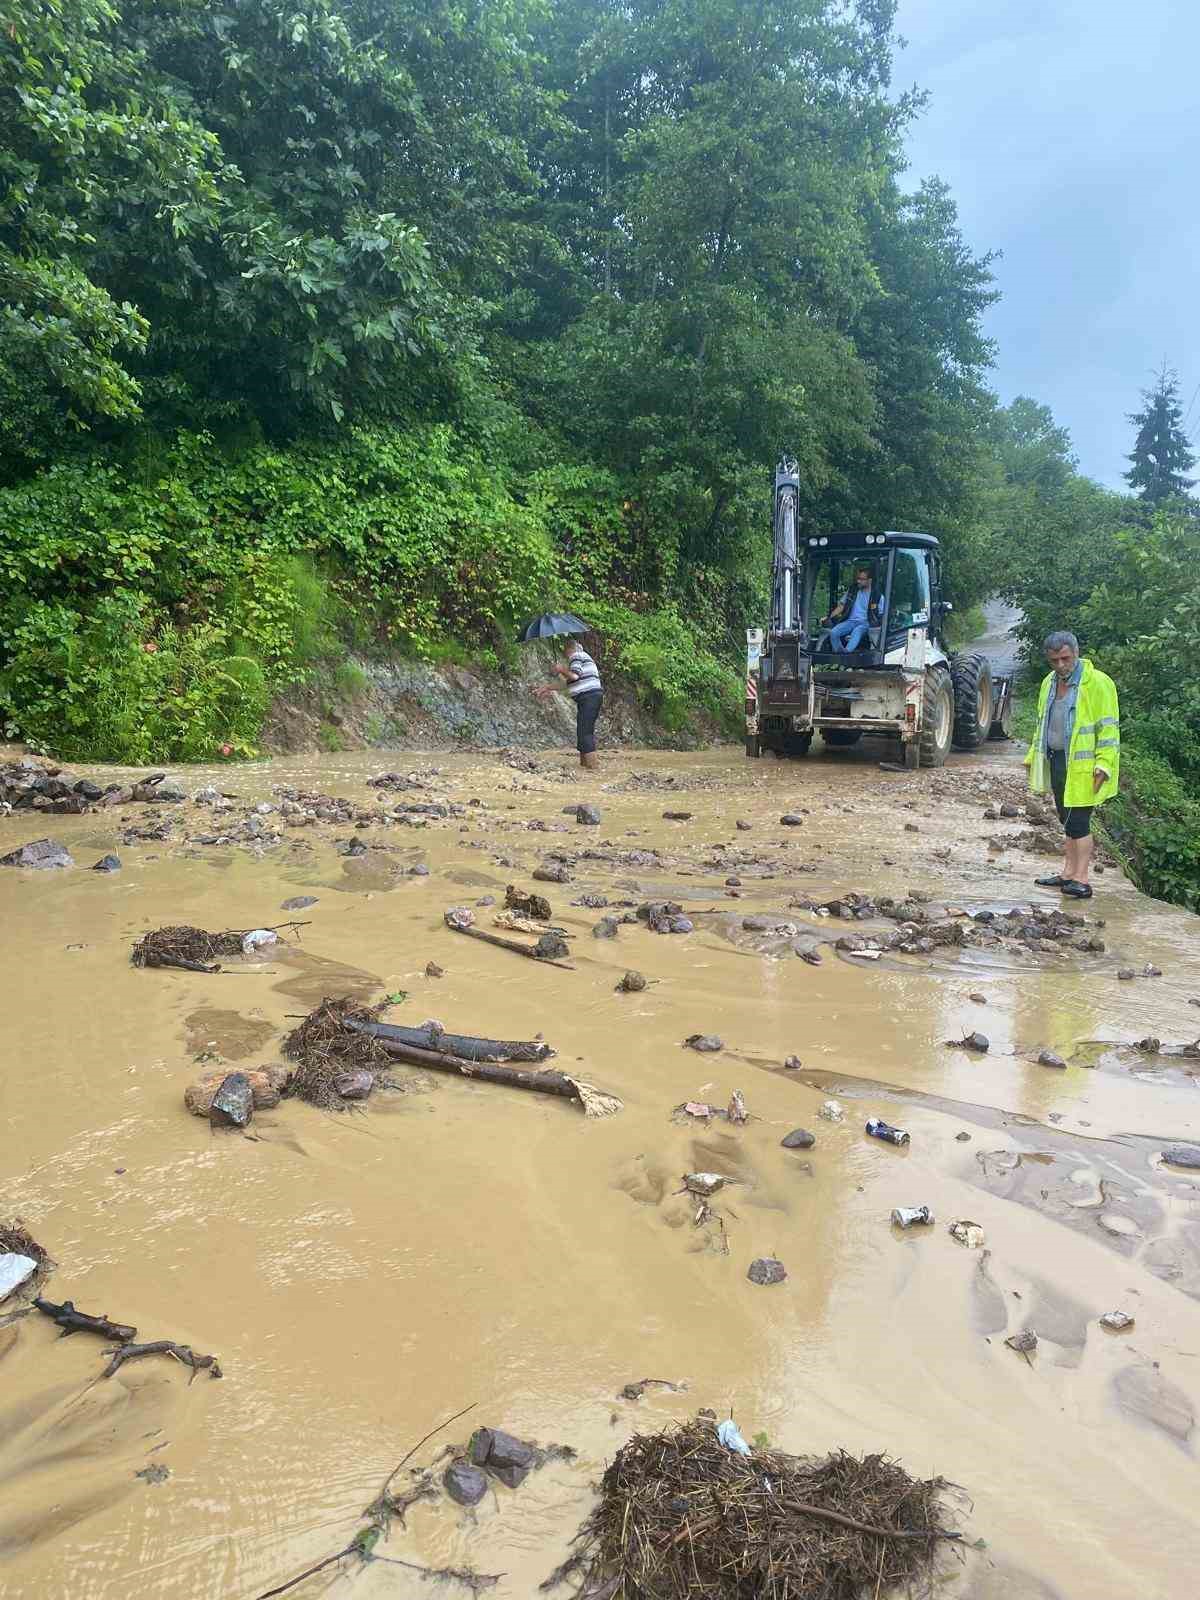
119,685
667,665
1153,825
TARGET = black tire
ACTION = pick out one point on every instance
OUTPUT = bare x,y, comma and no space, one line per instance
797,744
973,700
753,745
841,738
937,717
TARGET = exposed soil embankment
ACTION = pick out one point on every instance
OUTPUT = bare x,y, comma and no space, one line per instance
410,705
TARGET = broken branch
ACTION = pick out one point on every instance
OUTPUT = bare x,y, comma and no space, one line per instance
162,1347
464,1045
72,1321
593,1101
546,950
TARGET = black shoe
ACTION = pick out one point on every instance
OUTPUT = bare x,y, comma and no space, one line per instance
1055,882
1077,891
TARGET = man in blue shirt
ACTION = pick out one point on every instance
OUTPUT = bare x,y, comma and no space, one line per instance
860,610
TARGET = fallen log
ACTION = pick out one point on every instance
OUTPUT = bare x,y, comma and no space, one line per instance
546,950
595,1102
162,1347
72,1321
464,1045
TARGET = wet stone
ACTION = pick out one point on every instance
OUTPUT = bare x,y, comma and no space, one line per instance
798,1139
353,847
432,970
108,863
743,827
1050,1058
588,816
677,816
766,1270
40,854
975,1041
354,1085
1182,1155
606,928
1126,974
464,1483
233,1103
505,1456
299,902
706,1043
790,819
632,983
551,874
88,789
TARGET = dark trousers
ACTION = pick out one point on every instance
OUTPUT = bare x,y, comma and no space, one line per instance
587,709
1076,820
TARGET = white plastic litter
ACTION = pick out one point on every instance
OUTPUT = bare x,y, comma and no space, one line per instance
832,1111
256,939
1118,1321
14,1270
703,1183
968,1233
727,1433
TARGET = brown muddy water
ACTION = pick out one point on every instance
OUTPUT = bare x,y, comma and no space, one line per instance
362,1276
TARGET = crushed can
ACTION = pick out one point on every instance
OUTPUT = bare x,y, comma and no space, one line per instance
907,1216
879,1129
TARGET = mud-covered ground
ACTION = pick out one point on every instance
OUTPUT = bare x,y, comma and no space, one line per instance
362,1276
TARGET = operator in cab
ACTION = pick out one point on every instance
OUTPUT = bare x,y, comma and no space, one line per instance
860,610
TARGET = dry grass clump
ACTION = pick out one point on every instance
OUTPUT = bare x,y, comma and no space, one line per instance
323,1048
185,947
682,1518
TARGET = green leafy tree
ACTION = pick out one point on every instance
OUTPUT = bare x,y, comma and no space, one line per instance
1161,456
85,132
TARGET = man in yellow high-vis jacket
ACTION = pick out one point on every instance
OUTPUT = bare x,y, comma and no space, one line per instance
1075,754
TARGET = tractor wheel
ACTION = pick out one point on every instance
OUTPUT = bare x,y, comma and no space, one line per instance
841,738
973,700
797,744
937,717
753,745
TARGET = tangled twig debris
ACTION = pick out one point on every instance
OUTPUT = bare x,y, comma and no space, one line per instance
680,1515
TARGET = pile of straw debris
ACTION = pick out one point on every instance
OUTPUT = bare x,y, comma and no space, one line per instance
324,1049
680,1515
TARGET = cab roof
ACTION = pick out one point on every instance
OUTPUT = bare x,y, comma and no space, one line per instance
856,541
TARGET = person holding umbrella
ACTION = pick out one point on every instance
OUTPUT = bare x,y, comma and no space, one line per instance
581,674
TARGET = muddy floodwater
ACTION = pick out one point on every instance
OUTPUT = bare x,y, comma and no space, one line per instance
364,1275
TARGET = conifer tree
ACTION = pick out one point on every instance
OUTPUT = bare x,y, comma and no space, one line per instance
1161,455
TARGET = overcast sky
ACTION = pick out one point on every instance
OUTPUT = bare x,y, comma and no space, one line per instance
1069,133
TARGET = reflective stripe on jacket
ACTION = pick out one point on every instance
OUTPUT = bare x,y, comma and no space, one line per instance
1095,741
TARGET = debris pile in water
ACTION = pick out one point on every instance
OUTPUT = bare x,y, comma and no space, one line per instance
325,1050
187,947
682,1515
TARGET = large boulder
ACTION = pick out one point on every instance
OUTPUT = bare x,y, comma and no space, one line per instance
266,1085
233,1104
41,854
464,1483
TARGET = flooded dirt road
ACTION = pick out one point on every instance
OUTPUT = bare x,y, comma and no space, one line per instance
364,1275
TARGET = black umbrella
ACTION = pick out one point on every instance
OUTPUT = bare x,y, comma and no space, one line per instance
552,625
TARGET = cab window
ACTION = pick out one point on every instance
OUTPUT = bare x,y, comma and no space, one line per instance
910,591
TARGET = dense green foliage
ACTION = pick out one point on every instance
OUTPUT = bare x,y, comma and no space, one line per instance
411,317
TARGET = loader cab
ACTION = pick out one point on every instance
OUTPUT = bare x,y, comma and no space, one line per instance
905,593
